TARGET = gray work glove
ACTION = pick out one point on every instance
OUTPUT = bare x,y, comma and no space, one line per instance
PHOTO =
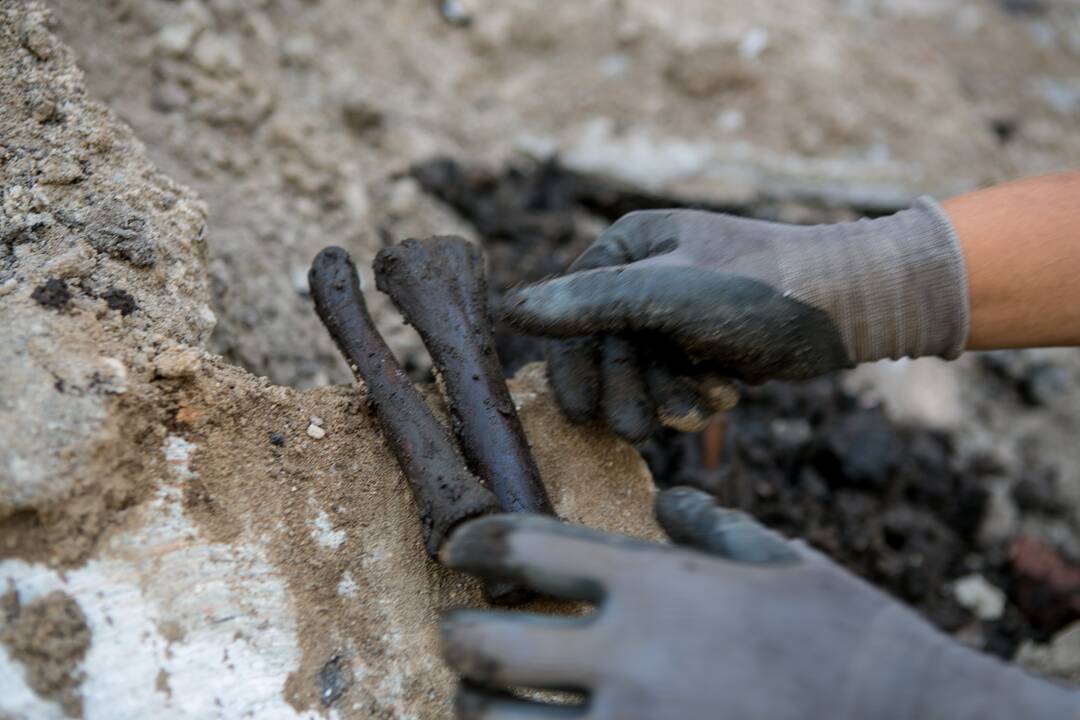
666,297
756,628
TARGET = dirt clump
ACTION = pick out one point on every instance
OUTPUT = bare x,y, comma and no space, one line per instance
49,637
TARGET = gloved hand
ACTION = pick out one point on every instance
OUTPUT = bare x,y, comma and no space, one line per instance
666,297
760,628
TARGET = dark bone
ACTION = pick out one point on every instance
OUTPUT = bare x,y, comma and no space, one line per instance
440,287
444,491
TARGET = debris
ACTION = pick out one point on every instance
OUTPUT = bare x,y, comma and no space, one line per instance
453,12
49,637
1036,380
1059,658
984,600
121,300
859,449
122,235
53,293
444,491
1046,586
332,681
315,432
178,363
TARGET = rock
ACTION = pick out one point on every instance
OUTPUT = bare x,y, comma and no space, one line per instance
177,363
1035,378
984,600
1060,658
60,170
218,54
37,39
861,449
55,377
315,432
1046,586
176,40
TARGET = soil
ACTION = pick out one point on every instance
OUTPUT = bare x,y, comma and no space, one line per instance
49,637
297,120
304,123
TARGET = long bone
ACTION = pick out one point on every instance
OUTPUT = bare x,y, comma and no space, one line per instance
440,286
444,490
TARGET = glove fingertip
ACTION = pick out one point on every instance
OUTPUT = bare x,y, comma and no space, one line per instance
478,546
625,399
575,377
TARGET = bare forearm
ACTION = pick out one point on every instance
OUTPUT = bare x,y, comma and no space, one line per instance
1021,245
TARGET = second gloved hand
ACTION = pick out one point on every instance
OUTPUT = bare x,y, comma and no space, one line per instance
754,627
665,299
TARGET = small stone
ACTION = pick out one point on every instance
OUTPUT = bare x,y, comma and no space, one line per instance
60,170
1046,586
316,432
455,13
123,235
42,109
316,420
176,40
753,43
976,594
169,96
361,115
277,440
217,53
7,286
298,50
110,376
38,41
177,363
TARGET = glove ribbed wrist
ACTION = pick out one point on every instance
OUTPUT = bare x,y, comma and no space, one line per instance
894,286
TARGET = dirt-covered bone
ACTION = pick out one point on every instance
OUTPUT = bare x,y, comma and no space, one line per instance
440,287
444,490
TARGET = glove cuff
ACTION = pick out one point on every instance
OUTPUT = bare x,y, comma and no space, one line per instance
894,286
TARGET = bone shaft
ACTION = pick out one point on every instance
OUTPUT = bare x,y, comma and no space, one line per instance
444,491
440,287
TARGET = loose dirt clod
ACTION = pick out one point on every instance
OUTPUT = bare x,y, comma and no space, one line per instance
49,636
444,490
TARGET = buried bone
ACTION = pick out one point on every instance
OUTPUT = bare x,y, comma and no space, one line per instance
440,288
444,490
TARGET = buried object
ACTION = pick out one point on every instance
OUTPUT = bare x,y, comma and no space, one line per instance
444,490
440,288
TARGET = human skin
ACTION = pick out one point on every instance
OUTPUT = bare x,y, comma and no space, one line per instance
1021,247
